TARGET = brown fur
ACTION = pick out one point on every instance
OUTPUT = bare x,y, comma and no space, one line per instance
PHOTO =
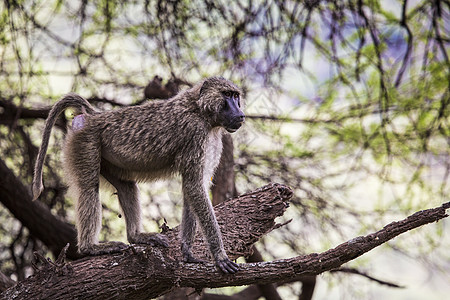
141,143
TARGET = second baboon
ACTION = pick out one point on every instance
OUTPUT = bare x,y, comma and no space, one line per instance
143,143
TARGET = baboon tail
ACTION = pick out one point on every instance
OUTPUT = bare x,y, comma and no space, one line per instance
70,100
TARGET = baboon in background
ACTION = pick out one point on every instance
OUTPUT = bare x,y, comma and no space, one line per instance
154,140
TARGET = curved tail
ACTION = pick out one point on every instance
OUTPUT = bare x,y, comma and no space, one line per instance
70,100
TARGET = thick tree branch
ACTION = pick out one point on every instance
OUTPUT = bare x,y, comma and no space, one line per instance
34,215
269,290
314,263
11,113
144,272
5,282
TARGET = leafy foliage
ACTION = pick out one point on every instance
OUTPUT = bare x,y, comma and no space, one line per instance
344,98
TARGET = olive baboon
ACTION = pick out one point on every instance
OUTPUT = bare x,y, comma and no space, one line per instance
154,140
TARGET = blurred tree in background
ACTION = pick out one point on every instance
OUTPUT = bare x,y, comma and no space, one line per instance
347,103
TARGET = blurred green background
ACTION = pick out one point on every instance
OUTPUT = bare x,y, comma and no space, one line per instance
347,102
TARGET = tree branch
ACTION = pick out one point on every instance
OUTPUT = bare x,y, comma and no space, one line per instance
5,282
34,215
146,272
142,272
358,272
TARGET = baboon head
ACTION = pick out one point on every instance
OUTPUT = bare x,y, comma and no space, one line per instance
220,100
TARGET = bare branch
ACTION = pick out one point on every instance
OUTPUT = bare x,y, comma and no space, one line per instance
358,272
143,272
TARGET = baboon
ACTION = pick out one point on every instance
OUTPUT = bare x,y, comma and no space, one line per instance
143,143
156,90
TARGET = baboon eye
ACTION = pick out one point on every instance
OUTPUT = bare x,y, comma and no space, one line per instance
237,99
227,94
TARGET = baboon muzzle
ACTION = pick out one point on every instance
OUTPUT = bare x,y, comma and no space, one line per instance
235,124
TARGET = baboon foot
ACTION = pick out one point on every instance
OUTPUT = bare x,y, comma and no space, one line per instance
227,266
189,258
187,255
104,248
153,239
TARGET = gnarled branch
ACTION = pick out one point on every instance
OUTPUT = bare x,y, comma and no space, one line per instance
145,272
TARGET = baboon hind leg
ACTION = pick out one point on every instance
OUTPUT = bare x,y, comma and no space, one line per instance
82,162
187,234
128,194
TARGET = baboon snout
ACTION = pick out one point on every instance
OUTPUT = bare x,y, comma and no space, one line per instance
241,119
236,123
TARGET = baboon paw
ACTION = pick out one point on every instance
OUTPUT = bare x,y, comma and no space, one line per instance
191,259
227,266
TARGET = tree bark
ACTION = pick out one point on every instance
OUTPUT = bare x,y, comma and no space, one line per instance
268,290
5,282
147,272
141,272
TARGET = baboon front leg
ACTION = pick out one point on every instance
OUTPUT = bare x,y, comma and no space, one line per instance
128,194
211,230
196,198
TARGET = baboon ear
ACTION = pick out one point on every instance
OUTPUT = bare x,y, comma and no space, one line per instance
206,84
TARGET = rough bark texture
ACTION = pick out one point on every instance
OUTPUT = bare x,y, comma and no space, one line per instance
5,282
145,272
268,290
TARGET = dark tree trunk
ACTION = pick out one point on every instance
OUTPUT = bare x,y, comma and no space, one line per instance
223,182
